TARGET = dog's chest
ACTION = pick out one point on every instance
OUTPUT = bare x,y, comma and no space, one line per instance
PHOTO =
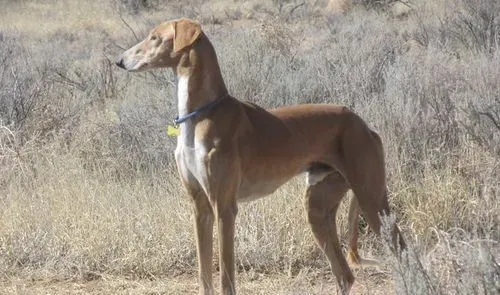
191,160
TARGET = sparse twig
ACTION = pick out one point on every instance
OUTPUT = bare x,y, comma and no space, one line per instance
490,116
128,26
296,7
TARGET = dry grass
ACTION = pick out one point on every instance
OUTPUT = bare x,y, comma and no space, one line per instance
90,198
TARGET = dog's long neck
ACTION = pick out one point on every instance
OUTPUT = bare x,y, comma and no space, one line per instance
199,78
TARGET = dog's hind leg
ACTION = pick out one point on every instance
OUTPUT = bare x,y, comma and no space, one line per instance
353,256
322,199
353,232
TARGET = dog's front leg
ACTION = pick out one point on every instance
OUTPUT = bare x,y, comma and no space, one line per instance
224,179
226,215
204,220
203,225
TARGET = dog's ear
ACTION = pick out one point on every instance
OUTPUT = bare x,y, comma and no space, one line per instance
186,33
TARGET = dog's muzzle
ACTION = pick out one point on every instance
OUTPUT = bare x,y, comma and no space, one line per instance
119,63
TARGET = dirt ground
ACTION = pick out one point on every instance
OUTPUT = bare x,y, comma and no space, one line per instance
368,281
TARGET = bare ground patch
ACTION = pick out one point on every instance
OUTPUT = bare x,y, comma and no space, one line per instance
369,281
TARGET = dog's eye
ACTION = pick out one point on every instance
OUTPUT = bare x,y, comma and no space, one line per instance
155,40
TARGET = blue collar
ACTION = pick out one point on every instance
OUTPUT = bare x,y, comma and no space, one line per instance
178,120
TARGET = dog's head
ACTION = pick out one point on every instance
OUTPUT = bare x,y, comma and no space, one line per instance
163,46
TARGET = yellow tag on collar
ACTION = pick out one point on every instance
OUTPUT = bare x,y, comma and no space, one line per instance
173,131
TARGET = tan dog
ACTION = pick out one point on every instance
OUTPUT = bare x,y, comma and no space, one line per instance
230,151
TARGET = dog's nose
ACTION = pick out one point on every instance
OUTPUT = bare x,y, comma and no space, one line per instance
119,62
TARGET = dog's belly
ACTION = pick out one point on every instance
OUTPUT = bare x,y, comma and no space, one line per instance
251,191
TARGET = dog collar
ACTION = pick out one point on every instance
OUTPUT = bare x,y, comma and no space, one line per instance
179,120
